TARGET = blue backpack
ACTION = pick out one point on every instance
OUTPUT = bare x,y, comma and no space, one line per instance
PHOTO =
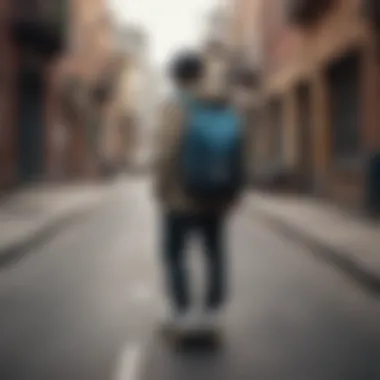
211,160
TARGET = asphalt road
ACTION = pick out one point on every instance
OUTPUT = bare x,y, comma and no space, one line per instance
86,305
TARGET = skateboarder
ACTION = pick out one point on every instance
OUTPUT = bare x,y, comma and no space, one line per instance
199,178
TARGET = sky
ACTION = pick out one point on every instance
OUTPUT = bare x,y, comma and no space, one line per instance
171,24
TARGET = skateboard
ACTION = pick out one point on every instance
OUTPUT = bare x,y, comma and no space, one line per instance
194,337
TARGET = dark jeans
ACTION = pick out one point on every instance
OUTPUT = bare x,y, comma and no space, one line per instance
177,231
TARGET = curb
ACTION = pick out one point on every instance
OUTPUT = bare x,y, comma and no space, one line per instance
336,257
17,251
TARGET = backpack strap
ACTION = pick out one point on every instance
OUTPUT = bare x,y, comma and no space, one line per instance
187,101
188,104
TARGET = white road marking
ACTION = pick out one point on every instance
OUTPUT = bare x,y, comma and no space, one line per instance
141,294
129,363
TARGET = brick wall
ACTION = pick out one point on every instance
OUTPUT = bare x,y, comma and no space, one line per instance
302,55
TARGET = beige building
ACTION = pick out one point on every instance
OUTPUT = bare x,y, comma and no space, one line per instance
122,139
135,90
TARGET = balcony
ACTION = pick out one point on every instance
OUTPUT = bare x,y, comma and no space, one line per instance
305,12
371,10
103,90
40,26
244,73
245,77
73,97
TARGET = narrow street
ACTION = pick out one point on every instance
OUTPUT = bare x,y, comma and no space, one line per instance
86,306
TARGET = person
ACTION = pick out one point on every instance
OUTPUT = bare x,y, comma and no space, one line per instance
185,213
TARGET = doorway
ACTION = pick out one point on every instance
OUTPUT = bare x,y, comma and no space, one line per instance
305,137
31,97
344,88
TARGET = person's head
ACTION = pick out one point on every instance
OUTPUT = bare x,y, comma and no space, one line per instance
187,69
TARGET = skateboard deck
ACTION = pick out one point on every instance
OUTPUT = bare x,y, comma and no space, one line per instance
194,336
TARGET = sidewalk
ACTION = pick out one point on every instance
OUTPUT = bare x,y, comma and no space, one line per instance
350,243
33,214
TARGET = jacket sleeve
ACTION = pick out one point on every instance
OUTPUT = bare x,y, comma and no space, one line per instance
167,147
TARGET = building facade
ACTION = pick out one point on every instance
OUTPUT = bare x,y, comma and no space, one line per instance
87,75
53,52
33,36
319,65
321,89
